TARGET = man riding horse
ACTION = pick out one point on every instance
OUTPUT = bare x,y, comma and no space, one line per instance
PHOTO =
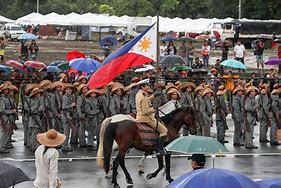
145,113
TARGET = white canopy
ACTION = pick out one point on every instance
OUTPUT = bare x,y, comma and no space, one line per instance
5,20
32,18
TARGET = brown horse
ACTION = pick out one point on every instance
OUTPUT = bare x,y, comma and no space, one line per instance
127,135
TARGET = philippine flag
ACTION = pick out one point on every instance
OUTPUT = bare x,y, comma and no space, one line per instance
141,50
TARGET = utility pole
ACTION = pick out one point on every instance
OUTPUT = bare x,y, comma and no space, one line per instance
239,9
37,6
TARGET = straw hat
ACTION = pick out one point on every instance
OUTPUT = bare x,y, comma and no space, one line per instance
276,89
221,90
170,85
264,88
250,88
178,84
238,88
117,86
208,90
81,86
200,87
56,84
190,85
13,87
45,83
80,78
247,85
135,79
30,87
62,76
173,90
51,138
92,91
67,85
36,91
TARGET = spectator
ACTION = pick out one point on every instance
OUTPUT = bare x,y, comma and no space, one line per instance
205,54
183,50
224,51
163,50
33,50
2,48
197,63
258,52
23,51
239,52
219,67
190,52
198,161
171,49
272,73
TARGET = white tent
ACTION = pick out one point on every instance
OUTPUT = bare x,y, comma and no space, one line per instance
5,20
50,19
32,18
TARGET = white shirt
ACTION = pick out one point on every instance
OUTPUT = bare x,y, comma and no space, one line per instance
163,50
46,167
239,50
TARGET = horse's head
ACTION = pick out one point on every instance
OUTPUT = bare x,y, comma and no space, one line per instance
189,119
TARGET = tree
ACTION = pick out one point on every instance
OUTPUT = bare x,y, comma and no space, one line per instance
104,8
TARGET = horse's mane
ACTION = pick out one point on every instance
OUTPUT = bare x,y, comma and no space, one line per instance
169,117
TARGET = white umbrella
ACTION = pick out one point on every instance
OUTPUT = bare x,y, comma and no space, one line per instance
145,68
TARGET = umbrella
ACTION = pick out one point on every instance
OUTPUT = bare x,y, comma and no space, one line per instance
35,64
75,72
202,37
273,61
5,69
27,36
74,54
10,175
168,38
85,64
15,64
233,64
184,68
220,43
186,39
63,66
51,69
108,41
196,144
146,68
213,178
55,63
270,183
172,60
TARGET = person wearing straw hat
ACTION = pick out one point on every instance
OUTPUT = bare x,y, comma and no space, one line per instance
46,159
56,103
48,115
221,113
276,111
173,94
237,115
198,91
6,110
35,119
81,112
69,114
265,115
186,99
116,103
133,89
251,107
207,111
82,79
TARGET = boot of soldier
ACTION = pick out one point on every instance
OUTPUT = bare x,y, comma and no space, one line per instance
160,148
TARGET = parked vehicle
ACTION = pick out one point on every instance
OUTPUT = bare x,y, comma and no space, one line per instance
13,31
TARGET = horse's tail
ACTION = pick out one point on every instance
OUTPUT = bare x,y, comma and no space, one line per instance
100,153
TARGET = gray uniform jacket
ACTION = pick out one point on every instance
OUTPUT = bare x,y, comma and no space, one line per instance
132,99
69,111
251,107
92,107
200,104
186,99
56,103
206,110
237,109
159,101
81,107
26,103
36,111
276,104
222,104
116,105
265,111
6,109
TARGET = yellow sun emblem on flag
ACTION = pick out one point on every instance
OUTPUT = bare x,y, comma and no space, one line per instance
145,44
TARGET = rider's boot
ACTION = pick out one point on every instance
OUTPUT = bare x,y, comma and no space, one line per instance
160,148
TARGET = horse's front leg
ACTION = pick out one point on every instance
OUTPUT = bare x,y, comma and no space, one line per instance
168,167
160,167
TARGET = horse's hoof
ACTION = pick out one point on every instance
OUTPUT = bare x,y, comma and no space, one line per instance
170,180
115,185
107,176
149,176
140,171
130,181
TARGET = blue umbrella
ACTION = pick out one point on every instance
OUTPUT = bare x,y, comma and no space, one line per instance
55,63
233,64
53,69
5,69
213,178
108,41
85,64
27,36
168,38
270,183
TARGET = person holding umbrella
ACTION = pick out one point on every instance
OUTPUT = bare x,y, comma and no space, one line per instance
23,51
197,161
46,159
33,50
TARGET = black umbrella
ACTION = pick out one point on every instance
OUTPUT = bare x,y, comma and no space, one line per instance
172,60
10,175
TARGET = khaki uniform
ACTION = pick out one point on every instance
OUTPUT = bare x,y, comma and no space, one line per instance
145,113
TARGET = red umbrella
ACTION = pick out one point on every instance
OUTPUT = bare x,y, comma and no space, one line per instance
72,70
202,37
15,64
35,64
74,54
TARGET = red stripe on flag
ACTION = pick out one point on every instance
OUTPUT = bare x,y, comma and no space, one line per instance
108,72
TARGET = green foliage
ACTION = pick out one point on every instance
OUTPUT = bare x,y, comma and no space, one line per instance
257,9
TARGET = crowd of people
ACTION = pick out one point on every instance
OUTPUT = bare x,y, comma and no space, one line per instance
72,108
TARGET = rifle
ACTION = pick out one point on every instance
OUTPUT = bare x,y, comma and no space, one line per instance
246,122
221,112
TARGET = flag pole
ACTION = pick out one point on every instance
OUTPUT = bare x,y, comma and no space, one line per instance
157,48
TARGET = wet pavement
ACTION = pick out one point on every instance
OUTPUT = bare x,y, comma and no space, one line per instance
78,169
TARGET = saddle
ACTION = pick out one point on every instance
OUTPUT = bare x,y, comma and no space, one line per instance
148,135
